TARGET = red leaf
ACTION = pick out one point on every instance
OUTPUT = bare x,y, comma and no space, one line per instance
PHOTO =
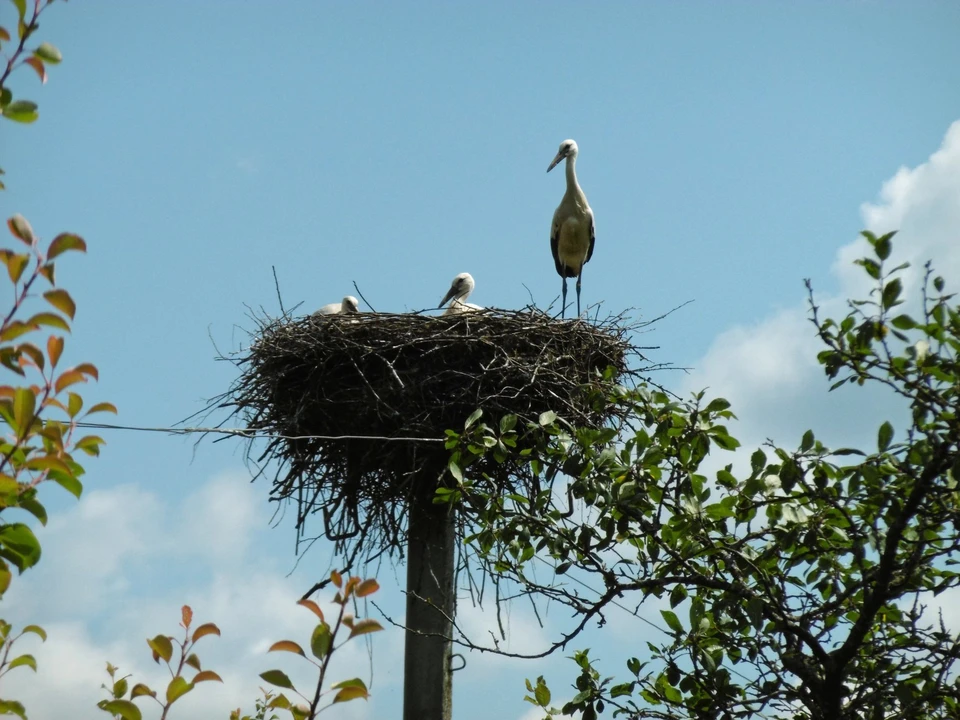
37,64
367,587
205,629
205,675
186,615
88,369
68,378
362,627
288,646
312,607
54,349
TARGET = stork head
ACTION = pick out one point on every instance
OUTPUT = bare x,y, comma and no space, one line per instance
350,305
460,288
568,149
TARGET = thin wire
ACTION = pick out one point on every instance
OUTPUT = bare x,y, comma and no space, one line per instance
245,433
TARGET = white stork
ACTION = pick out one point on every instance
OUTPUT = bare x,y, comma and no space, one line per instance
349,305
459,291
571,234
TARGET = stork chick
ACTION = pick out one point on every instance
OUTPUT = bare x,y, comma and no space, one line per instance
459,291
571,233
349,305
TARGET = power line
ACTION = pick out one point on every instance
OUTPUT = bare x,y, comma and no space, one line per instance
246,433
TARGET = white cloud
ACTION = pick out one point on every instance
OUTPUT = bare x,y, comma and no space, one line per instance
768,370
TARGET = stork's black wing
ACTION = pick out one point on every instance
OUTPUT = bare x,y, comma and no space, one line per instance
554,248
593,239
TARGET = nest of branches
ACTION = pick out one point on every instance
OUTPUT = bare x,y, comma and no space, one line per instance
356,405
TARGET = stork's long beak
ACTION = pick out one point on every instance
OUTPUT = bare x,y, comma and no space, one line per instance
450,294
556,161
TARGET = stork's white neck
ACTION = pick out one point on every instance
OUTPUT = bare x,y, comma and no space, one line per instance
572,184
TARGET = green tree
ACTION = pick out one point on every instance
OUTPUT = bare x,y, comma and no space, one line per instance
799,590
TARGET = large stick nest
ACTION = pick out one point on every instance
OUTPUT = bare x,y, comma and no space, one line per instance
320,384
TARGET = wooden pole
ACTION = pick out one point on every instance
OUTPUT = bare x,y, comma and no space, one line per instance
427,679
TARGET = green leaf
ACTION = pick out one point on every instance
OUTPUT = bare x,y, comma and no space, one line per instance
891,293
455,470
21,544
21,229
162,647
50,320
124,708
68,483
904,322
351,692
34,507
12,707
22,111
320,641
141,689
36,630
507,423
542,693
474,416
27,660
673,622
62,301
547,418
48,53
120,688
871,266
717,405
177,688
278,678
353,682
677,595
807,442
24,404
884,436
63,242
882,246
21,6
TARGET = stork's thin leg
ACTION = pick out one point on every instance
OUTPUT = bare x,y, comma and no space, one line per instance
578,290
563,306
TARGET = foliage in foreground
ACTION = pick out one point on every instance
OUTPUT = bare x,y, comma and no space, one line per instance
39,398
800,589
180,659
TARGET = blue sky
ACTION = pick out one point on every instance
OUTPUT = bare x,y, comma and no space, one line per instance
727,151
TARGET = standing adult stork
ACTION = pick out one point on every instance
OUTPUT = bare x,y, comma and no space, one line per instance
349,305
459,291
571,234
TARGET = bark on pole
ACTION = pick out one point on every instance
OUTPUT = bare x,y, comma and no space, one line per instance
427,679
